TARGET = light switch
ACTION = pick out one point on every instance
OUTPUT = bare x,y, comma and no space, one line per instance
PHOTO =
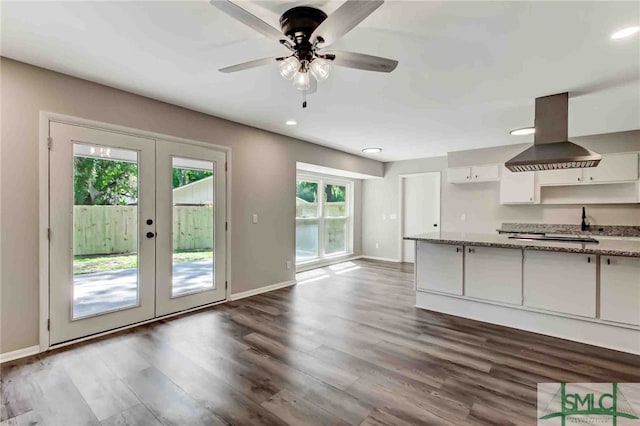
254,219
393,216
384,216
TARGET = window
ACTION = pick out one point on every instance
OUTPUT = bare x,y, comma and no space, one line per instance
323,218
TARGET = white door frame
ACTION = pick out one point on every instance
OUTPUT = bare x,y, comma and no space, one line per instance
43,213
401,206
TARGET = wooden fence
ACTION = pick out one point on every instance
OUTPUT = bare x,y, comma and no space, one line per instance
113,229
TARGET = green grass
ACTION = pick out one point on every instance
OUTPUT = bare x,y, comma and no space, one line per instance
90,264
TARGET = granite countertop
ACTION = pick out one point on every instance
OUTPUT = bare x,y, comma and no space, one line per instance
604,247
572,229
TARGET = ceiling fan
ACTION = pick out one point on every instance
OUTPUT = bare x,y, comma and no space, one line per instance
306,32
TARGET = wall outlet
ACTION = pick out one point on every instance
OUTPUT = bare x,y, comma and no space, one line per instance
377,245
254,218
463,217
288,264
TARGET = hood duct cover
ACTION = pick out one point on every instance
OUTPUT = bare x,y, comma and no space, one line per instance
551,150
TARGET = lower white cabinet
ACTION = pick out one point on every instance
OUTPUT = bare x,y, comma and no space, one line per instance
439,267
493,274
620,289
561,282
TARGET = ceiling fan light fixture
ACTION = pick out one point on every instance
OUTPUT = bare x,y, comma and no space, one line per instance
301,80
289,67
320,68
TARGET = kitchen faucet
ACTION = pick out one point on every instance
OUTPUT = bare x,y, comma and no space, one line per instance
584,226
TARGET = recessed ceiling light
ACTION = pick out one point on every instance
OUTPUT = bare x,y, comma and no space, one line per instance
372,150
625,32
291,122
523,131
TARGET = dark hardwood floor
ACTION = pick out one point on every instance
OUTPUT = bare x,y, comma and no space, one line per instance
345,346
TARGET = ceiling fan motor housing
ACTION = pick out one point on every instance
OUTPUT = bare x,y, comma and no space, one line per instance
299,23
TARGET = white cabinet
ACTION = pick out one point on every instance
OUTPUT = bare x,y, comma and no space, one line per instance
517,188
439,267
613,168
560,177
493,274
561,282
487,173
620,289
484,173
459,174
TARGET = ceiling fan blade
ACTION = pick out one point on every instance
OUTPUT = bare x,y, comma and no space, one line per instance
251,64
248,19
344,19
362,62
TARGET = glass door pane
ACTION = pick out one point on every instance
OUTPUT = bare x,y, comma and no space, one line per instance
193,224
105,229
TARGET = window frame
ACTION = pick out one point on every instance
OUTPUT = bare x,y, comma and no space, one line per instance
322,181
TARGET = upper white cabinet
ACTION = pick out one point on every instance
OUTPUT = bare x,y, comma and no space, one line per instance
561,282
517,188
620,289
439,267
459,174
613,168
560,177
484,173
493,274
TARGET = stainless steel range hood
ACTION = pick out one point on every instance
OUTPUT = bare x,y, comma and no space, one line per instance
551,150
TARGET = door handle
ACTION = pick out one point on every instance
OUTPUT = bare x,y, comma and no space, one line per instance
151,234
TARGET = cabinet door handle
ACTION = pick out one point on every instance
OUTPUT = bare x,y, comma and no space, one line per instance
457,249
578,179
588,259
590,177
471,250
608,261
476,176
530,198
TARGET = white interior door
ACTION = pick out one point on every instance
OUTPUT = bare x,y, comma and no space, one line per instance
420,208
191,213
102,265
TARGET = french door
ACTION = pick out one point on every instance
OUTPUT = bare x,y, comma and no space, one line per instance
137,229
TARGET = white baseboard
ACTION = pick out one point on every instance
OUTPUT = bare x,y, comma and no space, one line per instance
383,259
265,289
20,353
601,334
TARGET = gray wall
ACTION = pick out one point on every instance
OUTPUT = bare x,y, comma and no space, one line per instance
480,202
263,182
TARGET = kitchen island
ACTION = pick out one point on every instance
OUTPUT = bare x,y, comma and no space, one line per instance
581,291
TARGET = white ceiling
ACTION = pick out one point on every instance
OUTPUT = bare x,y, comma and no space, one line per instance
468,72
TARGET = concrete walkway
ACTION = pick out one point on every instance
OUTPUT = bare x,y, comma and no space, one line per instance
106,291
